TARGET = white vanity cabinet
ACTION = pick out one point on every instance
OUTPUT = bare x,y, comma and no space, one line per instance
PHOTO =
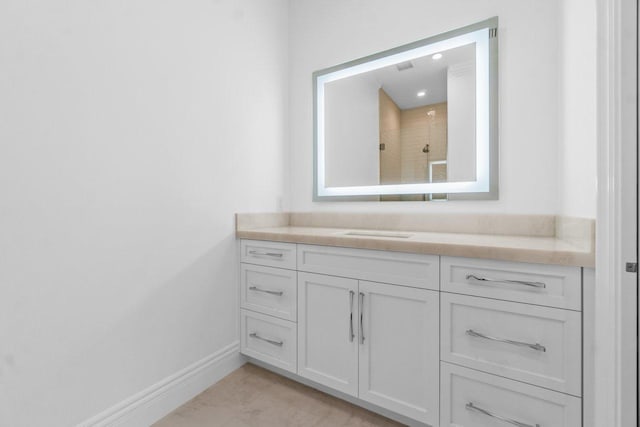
374,341
268,303
437,340
511,344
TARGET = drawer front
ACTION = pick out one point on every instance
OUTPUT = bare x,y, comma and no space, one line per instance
537,345
270,254
549,285
269,290
475,399
415,270
269,339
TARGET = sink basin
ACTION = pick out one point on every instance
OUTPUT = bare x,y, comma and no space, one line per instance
378,234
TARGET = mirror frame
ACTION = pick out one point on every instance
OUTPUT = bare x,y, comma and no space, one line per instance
485,187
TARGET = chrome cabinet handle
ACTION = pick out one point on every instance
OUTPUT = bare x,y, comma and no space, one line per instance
536,346
471,407
361,305
351,334
258,337
512,282
266,291
271,254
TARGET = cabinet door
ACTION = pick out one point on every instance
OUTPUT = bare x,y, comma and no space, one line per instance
327,331
399,341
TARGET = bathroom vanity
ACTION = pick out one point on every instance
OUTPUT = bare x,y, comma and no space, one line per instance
439,320
419,326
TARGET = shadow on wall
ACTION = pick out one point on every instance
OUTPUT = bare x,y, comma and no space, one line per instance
165,325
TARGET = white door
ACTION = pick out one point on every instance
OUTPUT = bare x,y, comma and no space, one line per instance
399,349
327,331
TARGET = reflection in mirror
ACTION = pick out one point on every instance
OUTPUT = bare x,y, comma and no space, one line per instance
410,124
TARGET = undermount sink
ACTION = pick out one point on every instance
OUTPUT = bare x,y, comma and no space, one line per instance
378,234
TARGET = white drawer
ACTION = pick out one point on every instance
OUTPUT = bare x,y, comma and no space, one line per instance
492,336
550,285
271,254
415,270
269,290
467,393
269,339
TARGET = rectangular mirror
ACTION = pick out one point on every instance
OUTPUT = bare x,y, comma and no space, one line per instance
418,122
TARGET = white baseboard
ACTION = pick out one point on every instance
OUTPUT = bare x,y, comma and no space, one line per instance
150,405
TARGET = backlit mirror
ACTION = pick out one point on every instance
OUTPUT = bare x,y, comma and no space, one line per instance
418,122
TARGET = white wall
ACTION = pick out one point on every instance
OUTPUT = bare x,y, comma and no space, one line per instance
578,109
130,133
330,32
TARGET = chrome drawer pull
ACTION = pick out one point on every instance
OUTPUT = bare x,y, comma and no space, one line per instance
471,407
258,337
351,334
270,254
266,291
513,282
361,305
535,346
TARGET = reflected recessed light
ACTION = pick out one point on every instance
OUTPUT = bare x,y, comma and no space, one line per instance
437,56
422,93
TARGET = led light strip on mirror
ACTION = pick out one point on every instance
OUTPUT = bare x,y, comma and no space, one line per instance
482,36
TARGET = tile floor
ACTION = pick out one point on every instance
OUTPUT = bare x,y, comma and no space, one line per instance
252,396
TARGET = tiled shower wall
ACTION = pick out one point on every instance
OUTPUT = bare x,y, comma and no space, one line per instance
405,135
390,156
418,129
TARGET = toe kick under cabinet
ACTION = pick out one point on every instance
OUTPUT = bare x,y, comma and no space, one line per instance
439,341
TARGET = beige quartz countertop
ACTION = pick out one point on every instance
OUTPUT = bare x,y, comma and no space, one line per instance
534,249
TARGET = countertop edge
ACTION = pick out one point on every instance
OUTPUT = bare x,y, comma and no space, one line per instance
575,258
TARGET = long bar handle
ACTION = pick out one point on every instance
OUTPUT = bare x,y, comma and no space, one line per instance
361,305
471,407
271,254
352,335
536,346
258,337
512,282
266,291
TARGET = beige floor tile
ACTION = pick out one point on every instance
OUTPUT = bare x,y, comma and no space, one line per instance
254,397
